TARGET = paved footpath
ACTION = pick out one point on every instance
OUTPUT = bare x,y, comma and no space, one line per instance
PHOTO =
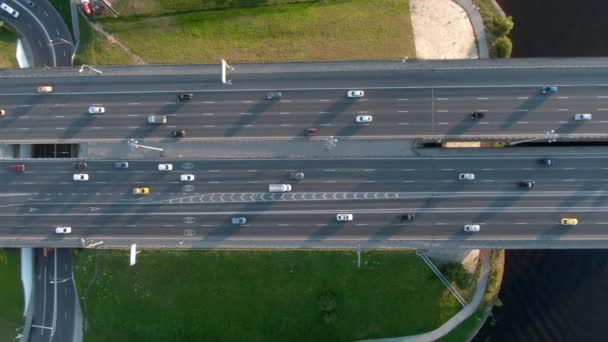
465,313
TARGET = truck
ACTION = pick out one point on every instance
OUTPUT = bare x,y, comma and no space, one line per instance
279,187
157,119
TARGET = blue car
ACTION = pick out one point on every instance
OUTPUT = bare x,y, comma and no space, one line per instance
549,90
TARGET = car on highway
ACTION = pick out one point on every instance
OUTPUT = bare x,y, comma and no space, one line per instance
121,165
583,117
18,167
471,228
279,187
407,217
186,178
97,110
165,167
80,165
477,115
526,184
63,230
296,176
44,89
80,177
274,95
238,220
569,221
355,93
363,119
546,161
157,119
141,191
549,90
8,9
2,112
309,132
186,96
178,133
344,217
466,176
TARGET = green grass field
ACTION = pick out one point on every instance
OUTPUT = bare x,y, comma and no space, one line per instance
257,296
8,44
11,294
303,31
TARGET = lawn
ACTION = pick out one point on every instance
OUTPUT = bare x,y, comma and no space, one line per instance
11,294
188,31
257,295
8,45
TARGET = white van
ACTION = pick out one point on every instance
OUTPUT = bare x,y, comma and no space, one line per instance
279,187
8,9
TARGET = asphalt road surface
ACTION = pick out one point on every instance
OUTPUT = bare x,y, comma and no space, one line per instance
376,191
435,106
54,298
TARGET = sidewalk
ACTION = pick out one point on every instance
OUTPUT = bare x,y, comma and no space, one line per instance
463,314
478,27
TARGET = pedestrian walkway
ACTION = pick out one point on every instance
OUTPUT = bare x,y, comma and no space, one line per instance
478,27
463,314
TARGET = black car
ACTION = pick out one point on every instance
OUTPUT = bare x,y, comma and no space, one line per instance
407,217
477,115
180,133
81,165
527,184
546,161
185,96
121,165
274,95
309,132
296,176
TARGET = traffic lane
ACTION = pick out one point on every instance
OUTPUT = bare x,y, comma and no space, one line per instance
315,226
66,295
486,204
44,297
457,73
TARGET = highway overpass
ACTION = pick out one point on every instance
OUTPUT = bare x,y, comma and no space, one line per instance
431,100
377,191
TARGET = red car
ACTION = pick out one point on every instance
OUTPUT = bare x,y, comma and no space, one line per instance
18,167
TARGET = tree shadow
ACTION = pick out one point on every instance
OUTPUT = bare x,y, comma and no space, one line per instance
256,110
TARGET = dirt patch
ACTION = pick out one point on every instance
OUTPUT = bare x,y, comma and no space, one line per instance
442,30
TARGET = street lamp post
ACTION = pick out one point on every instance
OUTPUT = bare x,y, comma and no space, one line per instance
59,41
550,135
134,144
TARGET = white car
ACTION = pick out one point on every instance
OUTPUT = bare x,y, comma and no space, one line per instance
344,217
165,167
582,117
63,230
81,177
186,178
97,110
355,93
470,228
466,176
363,119
9,10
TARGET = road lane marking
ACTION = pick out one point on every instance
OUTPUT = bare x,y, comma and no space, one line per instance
402,99
208,114
132,114
442,111
482,98
523,98
403,123
324,100
402,111
247,113
133,103
441,98
284,113
444,123
562,97
324,112
209,102
602,109
59,116
522,122
523,110
133,127
562,109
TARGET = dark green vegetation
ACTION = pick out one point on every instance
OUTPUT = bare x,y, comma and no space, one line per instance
258,296
497,29
11,294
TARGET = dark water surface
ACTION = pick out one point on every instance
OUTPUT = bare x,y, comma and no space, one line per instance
558,28
551,295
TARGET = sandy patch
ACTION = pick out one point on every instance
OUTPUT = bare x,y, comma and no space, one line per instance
442,30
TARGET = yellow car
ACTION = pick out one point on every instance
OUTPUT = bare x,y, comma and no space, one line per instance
141,191
569,221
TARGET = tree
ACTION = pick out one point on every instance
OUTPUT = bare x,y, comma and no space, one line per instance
327,301
502,48
501,26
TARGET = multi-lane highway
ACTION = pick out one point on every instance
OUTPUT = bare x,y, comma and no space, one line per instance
377,192
401,107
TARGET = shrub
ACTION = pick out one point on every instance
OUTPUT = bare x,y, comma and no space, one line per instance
327,301
455,272
502,48
329,317
501,26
